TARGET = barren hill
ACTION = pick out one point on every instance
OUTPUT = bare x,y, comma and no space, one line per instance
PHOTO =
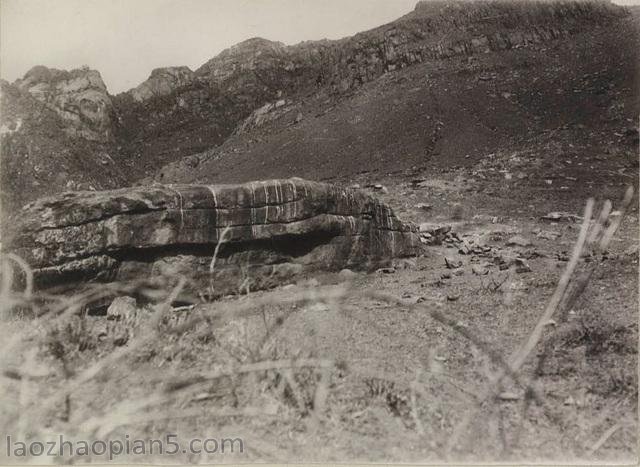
442,86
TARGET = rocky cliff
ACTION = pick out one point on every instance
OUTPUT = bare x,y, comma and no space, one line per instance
270,231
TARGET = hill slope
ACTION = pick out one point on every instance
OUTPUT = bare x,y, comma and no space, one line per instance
561,98
448,80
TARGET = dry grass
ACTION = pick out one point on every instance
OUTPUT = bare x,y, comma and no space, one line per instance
148,371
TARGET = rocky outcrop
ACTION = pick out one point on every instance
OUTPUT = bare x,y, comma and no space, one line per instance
162,81
79,97
269,230
40,158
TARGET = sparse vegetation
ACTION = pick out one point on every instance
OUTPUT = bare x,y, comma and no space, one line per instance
228,365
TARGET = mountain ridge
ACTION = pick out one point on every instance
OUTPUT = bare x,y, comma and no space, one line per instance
178,112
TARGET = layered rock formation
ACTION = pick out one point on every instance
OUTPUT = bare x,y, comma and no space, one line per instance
268,230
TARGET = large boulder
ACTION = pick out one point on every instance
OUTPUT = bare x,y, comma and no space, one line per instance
269,230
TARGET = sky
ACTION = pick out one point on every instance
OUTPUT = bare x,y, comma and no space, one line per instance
125,39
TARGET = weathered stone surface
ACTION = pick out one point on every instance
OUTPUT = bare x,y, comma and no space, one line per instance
270,230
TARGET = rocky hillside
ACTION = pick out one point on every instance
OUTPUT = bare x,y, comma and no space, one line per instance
322,107
554,93
55,130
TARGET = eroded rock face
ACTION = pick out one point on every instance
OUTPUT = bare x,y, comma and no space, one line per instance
79,96
270,231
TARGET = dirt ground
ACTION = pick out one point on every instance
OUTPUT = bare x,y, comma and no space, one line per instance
585,385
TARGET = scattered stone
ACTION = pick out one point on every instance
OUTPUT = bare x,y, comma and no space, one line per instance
404,263
445,275
546,235
509,396
426,239
435,229
479,270
386,270
464,248
519,240
453,297
522,266
433,234
378,187
424,206
558,216
121,307
458,272
569,401
452,263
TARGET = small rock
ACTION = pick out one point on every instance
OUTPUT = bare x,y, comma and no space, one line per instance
435,229
453,297
546,235
386,270
445,275
452,263
347,274
424,206
458,272
479,270
519,240
508,396
121,307
404,263
464,248
558,216
522,266
569,401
